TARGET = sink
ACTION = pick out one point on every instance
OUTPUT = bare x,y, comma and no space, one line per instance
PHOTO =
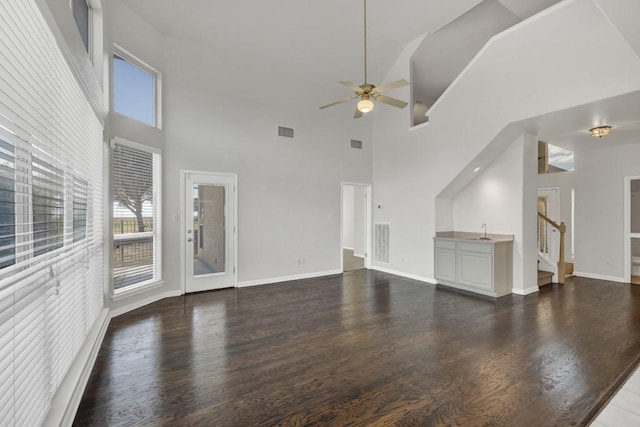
481,238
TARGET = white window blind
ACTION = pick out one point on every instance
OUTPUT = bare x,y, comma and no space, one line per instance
51,258
137,241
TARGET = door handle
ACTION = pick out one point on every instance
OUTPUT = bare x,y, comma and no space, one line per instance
189,239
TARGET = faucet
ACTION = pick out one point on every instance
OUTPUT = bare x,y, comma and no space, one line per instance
484,225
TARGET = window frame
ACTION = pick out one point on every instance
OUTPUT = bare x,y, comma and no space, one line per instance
123,54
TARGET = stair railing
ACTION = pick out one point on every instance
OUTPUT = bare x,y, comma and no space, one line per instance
562,229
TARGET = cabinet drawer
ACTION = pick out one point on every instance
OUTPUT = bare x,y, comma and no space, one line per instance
484,248
446,244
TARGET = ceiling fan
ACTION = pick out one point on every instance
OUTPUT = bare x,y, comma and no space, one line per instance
368,92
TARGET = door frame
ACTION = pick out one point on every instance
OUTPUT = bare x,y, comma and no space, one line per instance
368,209
183,233
628,235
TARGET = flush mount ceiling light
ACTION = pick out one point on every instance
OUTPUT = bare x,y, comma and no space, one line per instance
368,92
600,131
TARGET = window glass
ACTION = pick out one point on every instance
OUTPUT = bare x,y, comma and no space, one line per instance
7,205
48,206
80,10
133,91
135,183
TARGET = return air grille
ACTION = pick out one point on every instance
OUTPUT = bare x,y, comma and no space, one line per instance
286,132
356,144
382,243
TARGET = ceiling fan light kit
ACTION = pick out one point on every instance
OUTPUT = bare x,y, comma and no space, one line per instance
368,92
600,131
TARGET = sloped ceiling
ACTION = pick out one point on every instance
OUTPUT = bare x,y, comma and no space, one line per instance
314,44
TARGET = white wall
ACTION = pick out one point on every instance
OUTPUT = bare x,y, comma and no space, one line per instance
348,216
497,198
565,181
289,189
599,215
524,72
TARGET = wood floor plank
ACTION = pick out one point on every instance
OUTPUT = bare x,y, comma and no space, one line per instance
366,348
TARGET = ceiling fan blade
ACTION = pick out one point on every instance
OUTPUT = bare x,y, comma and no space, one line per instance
339,102
357,89
390,101
357,114
391,86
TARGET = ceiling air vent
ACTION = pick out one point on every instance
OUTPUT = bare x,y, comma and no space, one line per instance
356,144
286,132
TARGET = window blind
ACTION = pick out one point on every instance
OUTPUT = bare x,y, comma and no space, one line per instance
51,257
136,214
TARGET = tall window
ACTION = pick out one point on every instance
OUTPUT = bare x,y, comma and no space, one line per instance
81,11
135,89
136,215
51,236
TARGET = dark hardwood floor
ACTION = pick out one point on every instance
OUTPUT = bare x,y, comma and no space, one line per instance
366,348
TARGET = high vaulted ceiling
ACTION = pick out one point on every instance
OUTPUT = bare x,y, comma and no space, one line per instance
320,42
308,44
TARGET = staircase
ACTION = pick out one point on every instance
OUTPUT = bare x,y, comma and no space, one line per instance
544,278
558,265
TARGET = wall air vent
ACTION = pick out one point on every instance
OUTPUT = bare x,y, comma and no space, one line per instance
286,132
382,235
356,144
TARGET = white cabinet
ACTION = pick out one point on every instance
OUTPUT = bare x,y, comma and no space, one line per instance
483,267
445,260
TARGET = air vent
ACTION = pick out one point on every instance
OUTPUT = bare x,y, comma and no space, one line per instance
286,132
356,144
382,243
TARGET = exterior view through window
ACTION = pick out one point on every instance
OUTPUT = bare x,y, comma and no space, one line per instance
134,90
136,208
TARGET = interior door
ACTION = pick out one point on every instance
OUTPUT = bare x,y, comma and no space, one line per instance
210,231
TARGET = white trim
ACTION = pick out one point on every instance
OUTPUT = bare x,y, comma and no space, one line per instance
600,277
66,401
146,301
272,280
628,235
525,291
407,275
137,289
368,212
358,255
348,248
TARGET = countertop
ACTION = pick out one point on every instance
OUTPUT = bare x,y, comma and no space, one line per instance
475,237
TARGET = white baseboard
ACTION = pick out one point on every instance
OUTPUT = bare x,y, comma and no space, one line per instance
407,275
526,291
66,401
600,277
145,301
271,280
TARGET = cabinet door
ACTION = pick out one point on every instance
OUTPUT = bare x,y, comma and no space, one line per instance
475,269
445,264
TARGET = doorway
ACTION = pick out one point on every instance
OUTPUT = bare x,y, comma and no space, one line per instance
356,226
209,243
632,229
